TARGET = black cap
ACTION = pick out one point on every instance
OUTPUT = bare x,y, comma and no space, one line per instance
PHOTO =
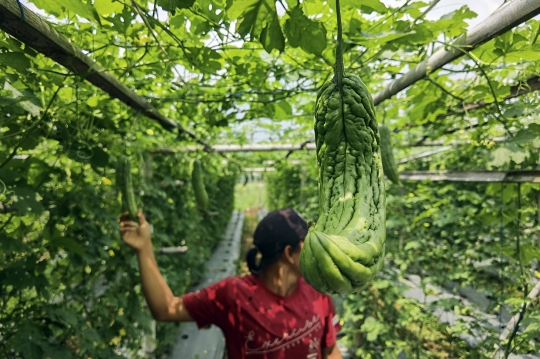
276,231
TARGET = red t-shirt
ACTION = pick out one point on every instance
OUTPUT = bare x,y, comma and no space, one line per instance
259,324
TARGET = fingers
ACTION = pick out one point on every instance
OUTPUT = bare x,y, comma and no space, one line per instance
129,224
142,220
126,227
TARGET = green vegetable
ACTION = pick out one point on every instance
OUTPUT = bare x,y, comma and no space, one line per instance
198,186
346,248
388,161
125,186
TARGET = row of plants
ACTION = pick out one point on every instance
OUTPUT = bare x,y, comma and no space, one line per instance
69,287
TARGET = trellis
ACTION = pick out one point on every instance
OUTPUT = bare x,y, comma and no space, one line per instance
30,29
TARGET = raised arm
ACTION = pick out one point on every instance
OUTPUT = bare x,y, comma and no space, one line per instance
161,301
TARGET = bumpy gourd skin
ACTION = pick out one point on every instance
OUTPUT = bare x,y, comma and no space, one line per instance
346,248
201,196
388,161
125,186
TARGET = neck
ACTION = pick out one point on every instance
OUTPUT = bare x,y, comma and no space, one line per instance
280,279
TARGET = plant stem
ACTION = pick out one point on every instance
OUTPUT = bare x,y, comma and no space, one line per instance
339,69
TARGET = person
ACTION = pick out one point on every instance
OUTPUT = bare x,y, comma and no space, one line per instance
271,313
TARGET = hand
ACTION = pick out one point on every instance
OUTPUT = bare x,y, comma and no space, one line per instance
137,236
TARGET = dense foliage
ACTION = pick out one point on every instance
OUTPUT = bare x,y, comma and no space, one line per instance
233,72
478,235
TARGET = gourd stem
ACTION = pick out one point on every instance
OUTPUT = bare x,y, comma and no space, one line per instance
339,71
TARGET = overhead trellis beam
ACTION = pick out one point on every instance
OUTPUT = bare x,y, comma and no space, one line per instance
472,176
300,147
37,34
241,148
453,176
447,143
424,154
505,18
259,169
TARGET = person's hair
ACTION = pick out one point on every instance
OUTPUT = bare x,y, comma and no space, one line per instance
273,234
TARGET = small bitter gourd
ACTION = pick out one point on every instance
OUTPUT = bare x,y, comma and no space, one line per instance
201,197
125,186
345,249
388,161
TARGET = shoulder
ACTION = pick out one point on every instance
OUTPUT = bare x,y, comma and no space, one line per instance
324,300
246,280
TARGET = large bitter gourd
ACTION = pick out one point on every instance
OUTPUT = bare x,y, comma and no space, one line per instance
388,161
346,248
125,186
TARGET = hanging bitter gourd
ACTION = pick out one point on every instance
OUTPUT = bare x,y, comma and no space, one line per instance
201,197
388,161
125,186
346,248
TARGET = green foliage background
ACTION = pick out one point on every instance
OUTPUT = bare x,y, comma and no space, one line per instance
229,72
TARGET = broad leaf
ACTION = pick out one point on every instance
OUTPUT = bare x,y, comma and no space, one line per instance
16,60
365,5
505,154
61,7
305,33
108,7
255,17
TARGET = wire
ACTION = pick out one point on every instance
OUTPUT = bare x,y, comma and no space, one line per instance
21,8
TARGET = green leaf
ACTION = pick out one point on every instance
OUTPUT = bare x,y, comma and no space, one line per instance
372,328
272,37
68,244
99,158
532,324
283,110
259,19
381,38
64,316
413,245
519,56
26,340
305,33
108,7
365,5
524,137
16,60
18,95
507,153
28,349
55,351
26,200
92,101
61,7
172,5
529,253
178,21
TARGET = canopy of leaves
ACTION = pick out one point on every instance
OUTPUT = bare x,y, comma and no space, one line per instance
241,71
